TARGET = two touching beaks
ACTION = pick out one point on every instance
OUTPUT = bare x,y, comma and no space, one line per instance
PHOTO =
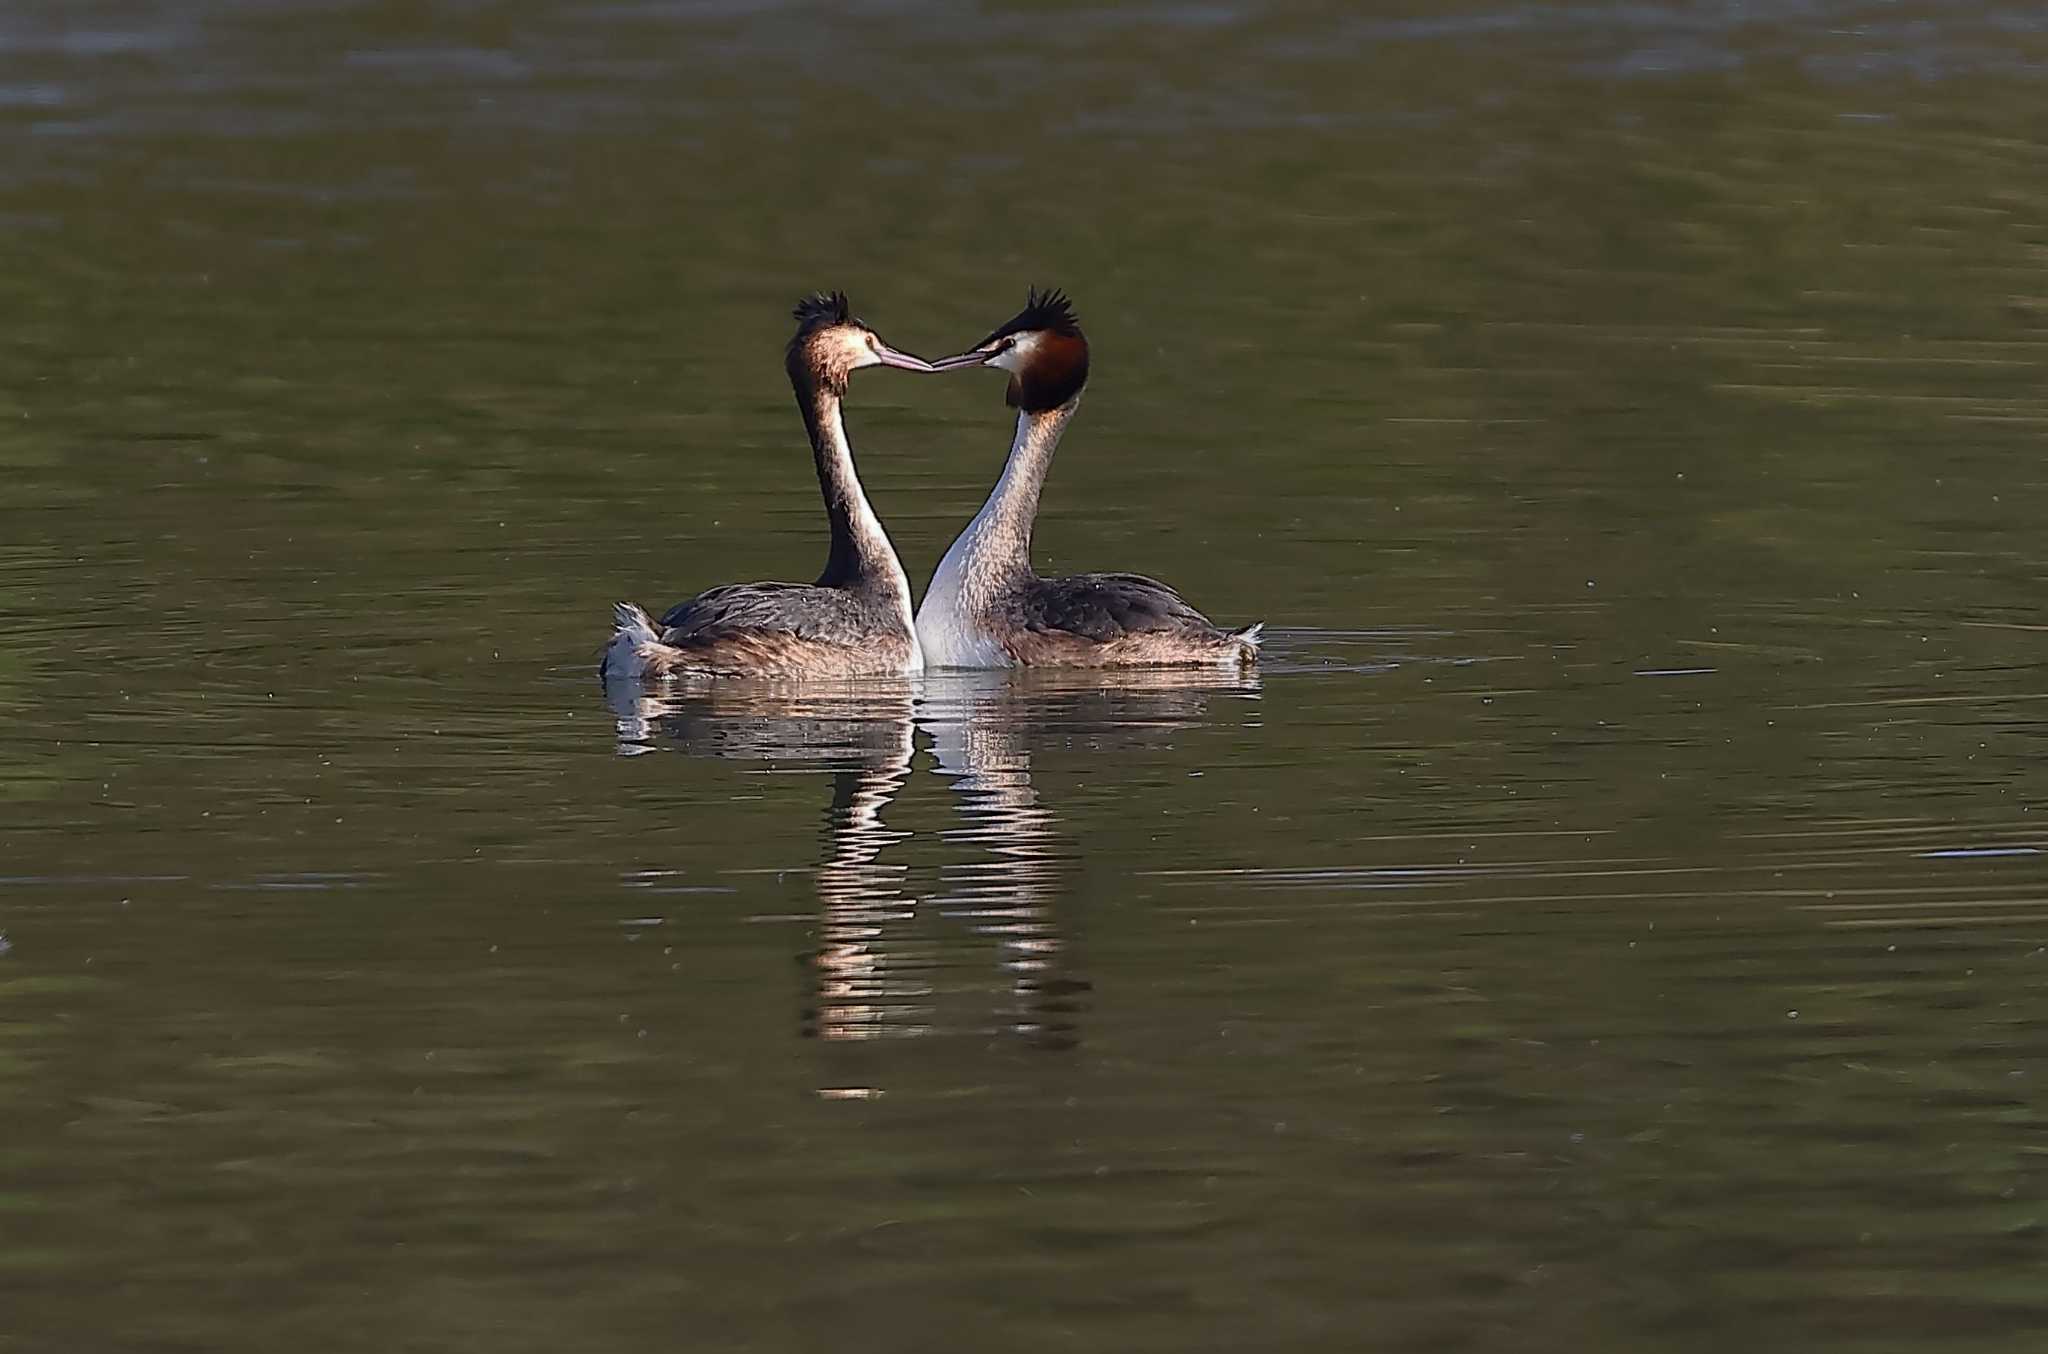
1041,346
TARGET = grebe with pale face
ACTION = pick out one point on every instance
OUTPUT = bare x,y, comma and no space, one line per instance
856,619
986,607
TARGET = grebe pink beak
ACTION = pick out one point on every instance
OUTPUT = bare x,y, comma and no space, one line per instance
976,357
891,357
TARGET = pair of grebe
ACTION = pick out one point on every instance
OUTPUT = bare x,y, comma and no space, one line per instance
986,607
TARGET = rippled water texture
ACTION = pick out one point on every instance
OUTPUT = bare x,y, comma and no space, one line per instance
1613,919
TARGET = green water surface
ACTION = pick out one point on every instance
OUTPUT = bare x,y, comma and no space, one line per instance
1612,920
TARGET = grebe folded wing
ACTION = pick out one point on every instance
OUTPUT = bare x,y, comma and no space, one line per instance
1112,620
1103,606
778,630
797,608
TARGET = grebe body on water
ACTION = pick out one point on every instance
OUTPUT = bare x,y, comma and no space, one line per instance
856,619
986,607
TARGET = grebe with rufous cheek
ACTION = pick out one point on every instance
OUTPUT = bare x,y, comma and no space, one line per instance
986,607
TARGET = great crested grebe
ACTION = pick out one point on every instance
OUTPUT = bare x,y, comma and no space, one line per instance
855,621
985,607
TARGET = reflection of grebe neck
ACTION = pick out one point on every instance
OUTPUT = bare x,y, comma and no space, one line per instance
854,831
992,773
859,898
1007,895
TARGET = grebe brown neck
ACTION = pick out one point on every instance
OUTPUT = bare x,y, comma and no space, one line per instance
856,619
827,348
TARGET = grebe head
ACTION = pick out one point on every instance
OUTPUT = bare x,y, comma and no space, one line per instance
1043,349
830,345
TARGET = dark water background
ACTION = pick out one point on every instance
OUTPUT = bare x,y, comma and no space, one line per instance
1613,920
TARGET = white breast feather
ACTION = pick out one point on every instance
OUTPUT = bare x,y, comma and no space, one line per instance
951,635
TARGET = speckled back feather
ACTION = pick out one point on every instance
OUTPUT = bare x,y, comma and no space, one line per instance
1112,620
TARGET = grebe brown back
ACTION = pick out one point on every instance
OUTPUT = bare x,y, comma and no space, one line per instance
986,608
856,619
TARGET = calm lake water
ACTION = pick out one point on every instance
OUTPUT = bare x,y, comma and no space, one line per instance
1613,919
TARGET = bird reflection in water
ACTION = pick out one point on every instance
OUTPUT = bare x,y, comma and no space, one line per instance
885,966
862,734
978,730
985,728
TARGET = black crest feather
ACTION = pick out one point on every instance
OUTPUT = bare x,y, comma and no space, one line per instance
1043,309
810,367
820,309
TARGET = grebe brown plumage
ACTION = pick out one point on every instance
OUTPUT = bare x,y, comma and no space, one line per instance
855,620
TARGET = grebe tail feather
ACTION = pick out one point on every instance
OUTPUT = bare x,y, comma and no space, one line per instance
635,650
